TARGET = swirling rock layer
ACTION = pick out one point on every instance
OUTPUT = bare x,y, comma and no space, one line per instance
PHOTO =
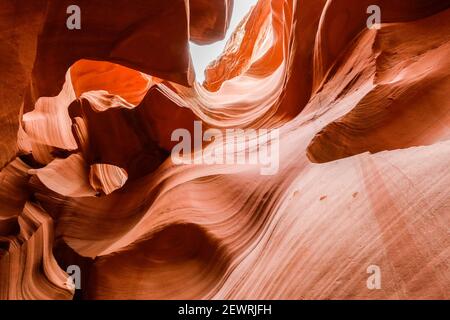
87,180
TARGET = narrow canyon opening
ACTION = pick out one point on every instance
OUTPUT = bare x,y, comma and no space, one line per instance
203,55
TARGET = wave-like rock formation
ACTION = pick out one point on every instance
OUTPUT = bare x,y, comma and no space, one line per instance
87,181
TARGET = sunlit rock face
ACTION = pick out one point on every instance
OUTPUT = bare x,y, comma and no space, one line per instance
89,189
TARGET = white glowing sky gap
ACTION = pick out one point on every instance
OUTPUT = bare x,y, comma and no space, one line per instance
203,55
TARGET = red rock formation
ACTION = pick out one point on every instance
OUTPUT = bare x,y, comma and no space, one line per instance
87,118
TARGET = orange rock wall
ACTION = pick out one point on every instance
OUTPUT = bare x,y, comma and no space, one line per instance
87,178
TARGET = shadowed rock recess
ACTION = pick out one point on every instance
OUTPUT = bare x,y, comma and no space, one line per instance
87,178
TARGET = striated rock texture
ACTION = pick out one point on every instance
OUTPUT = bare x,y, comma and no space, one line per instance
87,179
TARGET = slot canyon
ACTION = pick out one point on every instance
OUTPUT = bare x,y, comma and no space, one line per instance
88,178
